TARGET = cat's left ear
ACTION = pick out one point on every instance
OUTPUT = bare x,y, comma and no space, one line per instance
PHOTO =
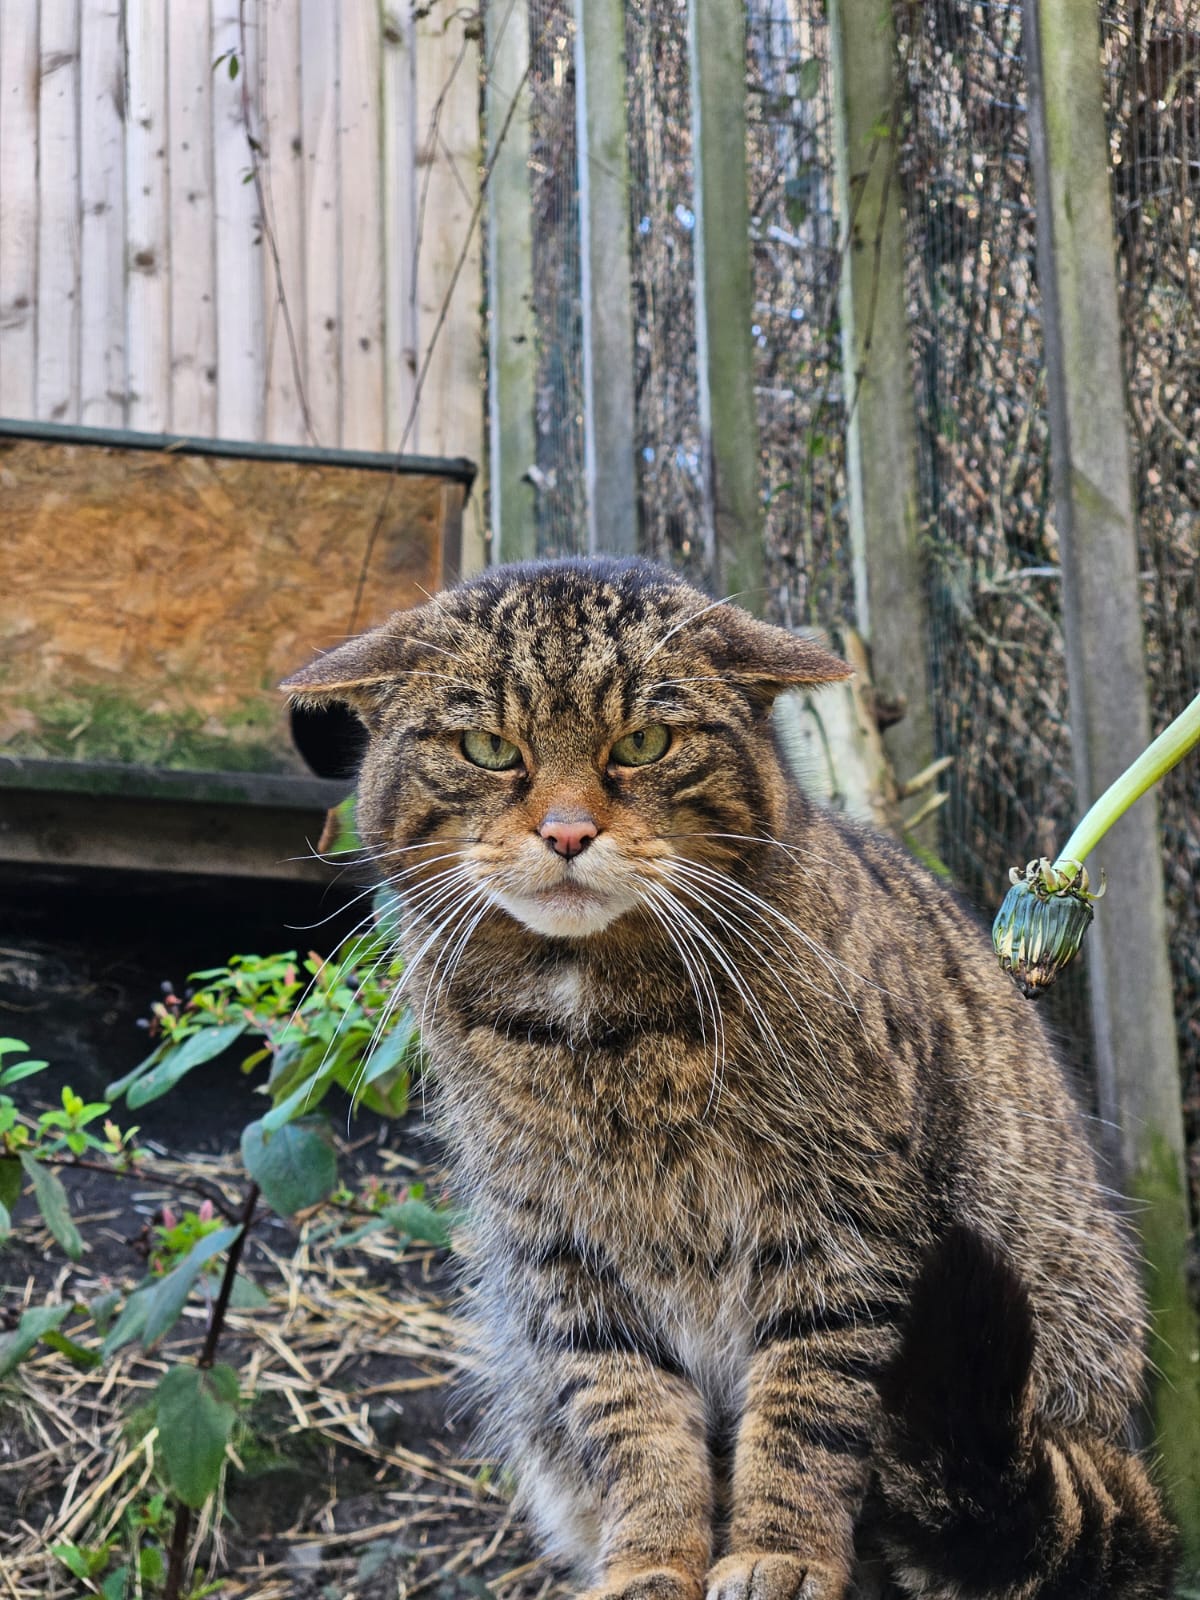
767,660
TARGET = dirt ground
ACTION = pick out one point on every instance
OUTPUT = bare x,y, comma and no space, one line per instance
354,1477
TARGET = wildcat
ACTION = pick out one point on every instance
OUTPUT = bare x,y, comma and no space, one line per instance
786,1235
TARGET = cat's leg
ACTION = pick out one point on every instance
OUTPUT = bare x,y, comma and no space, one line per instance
637,1434
801,1463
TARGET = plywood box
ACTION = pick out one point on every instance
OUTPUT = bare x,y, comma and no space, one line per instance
153,592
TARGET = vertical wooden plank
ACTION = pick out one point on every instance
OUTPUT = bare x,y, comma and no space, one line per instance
512,347
877,377
450,270
147,264
1137,1064
362,225
193,313
239,285
102,376
399,217
603,140
322,218
282,170
18,206
58,214
724,301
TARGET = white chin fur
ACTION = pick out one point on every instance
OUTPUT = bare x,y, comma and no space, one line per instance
564,916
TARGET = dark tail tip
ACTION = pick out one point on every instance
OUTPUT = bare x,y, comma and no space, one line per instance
960,1378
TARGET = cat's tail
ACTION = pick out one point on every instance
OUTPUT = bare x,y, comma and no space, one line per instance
977,1496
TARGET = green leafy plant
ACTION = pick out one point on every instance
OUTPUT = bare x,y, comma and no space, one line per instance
313,1024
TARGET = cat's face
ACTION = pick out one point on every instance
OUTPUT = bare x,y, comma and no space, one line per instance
549,740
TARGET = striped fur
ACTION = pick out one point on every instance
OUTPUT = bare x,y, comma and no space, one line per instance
725,1094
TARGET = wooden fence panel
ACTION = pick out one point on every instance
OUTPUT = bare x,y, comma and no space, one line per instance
18,207
102,214
138,283
147,241
193,374
282,177
58,214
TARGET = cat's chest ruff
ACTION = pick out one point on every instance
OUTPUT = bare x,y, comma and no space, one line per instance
567,995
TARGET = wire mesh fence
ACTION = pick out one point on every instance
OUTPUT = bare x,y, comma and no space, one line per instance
1151,58
995,647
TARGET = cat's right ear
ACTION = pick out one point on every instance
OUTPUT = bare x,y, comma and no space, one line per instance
357,673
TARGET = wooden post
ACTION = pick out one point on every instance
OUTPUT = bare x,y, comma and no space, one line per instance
512,366
1130,978
603,142
724,300
881,466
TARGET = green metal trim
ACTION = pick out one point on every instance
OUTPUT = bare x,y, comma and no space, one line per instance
279,790
457,468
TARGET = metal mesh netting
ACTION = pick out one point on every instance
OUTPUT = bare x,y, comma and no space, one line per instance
995,648
795,330
996,655
795,265
662,219
996,652
1152,67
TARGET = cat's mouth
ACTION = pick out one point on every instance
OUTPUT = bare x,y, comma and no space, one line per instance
565,909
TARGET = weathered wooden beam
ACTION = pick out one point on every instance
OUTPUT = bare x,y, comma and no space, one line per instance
603,143
1131,992
512,351
724,300
881,464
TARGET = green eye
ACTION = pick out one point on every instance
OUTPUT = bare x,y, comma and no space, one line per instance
638,749
490,750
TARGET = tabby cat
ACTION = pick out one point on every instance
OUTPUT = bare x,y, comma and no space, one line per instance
788,1245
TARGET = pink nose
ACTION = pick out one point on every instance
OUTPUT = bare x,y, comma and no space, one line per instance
568,832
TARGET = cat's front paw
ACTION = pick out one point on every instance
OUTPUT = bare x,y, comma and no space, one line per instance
655,1583
763,1575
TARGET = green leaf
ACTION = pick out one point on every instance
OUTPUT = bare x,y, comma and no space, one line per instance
808,79
419,1221
101,1309
73,1558
247,1296
115,1090
392,1049
196,1410
307,1096
10,1182
130,1323
294,1166
11,1046
35,1322
177,1063
151,1566
5,1222
117,1585
77,1354
54,1206
347,1240
23,1069
169,1296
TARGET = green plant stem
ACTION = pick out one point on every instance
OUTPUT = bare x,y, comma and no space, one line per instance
1155,761
177,1558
